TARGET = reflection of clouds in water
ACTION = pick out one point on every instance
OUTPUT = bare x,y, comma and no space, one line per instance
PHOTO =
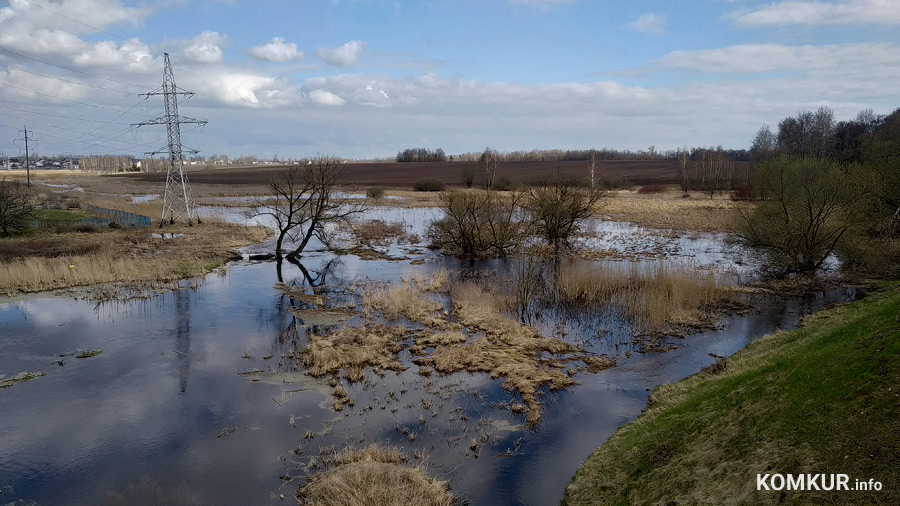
56,311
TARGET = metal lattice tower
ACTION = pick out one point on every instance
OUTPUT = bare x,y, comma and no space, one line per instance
178,202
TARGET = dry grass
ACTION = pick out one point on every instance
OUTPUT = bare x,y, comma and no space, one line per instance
352,349
126,255
658,297
373,476
406,299
375,232
670,210
508,350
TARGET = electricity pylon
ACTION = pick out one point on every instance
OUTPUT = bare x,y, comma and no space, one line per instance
178,202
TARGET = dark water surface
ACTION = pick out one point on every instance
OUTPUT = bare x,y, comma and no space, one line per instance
165,416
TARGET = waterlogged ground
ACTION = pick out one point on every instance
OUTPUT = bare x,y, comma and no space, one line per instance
195,398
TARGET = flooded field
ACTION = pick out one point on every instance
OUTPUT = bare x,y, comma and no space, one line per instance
202,395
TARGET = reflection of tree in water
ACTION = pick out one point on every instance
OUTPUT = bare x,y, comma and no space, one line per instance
291,332
183,337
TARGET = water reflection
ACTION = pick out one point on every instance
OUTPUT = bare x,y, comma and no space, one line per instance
183,337
124,427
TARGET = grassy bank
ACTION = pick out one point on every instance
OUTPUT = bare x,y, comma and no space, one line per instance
46,260
822,399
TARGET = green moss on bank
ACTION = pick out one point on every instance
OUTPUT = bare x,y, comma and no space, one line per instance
821,399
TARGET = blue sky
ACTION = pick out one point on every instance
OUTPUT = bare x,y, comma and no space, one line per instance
367,78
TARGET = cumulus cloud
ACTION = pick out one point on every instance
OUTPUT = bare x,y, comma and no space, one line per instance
238,88
343,56
205,48
323,97
815,12
131,55
650,23
29,28
277,51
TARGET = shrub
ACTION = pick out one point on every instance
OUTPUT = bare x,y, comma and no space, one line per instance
742,193
374,192
806,206
558,210
478,223
652,188
430,184
504,183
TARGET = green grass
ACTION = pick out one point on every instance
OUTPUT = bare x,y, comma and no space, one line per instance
61,215
22,377
822,399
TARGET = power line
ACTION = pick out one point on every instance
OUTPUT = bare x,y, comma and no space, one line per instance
65,80
63,99
84,24
76,71
27,161
65,117
115,138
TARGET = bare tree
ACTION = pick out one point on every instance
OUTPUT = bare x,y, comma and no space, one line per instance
468,171
479,223
807,207
684,156
592,169
488,162
559,208
16,207
304,205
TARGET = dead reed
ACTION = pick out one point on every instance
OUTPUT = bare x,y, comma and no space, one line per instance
406,299
656,297
373,476
352,349
125,255
525,360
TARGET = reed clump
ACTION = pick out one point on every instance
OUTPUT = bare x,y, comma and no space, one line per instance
124,255
374,476
352,349
525,360
656,297
406,299
375,232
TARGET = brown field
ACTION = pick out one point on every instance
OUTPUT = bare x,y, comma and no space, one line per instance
406,174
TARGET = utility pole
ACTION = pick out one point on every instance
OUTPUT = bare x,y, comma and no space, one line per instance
178,201
27,160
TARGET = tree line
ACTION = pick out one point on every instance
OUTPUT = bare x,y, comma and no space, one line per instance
824,188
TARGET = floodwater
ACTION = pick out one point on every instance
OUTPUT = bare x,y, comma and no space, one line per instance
192,400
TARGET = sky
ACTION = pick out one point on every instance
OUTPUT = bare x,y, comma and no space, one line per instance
365,79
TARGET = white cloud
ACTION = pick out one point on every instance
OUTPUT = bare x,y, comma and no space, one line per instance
277,51
651,23
29,28
237,88
815,12
205,48
755,58
131,55
323,97
343,56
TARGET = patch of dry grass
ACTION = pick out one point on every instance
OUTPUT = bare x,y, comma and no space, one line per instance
125,255
373,476
352,349
508,350
375,232
406,299
670,210
658,297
